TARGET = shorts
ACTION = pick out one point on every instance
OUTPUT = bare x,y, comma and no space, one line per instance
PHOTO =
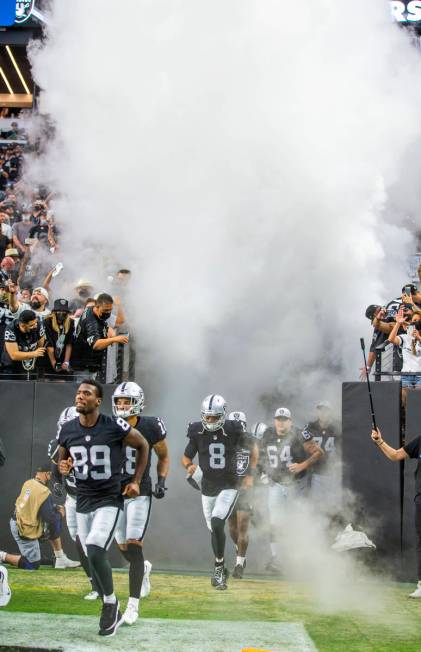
133,520
70,507
28,548
97,528
219,506
413,380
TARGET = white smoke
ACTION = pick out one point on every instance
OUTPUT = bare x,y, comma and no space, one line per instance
238,156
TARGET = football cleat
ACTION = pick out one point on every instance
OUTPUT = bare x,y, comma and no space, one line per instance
238,572
220,577
92,595
130,615
417,592
111,619
5,591
65,562
146,583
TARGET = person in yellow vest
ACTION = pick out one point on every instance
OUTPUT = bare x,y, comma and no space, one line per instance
35,513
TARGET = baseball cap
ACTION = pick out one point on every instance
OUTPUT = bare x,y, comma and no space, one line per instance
324,404
45,466
282,413
61,305
43,291
11,252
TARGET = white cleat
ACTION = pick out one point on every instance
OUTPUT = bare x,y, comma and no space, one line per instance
93,595
146,584
65,562
5,592
130,615
417,592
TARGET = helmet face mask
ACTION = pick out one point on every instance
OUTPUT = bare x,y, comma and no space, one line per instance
130,392
215,406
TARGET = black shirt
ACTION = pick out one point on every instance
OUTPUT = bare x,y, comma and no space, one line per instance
57,339
280,452
329,441
217,455
153,430
89,329
25,341
413,449
97,454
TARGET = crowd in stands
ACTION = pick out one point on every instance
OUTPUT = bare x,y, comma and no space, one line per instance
41,333
399,324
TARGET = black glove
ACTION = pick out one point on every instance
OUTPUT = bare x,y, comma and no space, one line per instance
160,488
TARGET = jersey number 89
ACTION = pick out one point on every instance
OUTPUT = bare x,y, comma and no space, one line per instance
99,456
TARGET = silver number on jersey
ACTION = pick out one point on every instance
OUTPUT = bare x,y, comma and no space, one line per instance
284,456
217,456
99,457
130,460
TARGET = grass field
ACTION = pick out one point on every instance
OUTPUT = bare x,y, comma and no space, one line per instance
392,627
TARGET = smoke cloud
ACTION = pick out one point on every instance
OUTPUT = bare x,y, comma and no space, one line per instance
238,157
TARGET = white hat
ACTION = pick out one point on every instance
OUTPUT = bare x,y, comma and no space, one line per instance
42,291
324,404
282,413
83,283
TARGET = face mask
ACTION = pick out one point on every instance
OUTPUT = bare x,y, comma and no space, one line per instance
83,293
35,304
105,315
25,218
61,317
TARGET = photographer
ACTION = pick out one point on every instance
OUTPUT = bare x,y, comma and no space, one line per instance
92,336
410,341
36,516
59,336
23,343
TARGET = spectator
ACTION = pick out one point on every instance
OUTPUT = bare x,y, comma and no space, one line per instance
6,229
382,325
8,308
410,340
25,296
4,244
83,290
34,511
43,230
7,266
59,336
20,233
39,302
92,336
24,342
14,254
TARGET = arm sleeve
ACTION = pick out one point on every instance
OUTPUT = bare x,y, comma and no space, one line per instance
191,449
49,515
412,448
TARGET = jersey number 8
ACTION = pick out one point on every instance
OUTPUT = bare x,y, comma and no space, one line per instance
99,457
217,456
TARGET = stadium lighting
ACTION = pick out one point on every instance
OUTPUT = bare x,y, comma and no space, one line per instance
10,53
6,81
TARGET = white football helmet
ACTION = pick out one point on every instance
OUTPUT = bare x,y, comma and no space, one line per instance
213,405
259,429
68,414
238,416
137,400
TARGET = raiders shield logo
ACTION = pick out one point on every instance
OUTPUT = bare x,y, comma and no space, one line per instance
242,463
23,10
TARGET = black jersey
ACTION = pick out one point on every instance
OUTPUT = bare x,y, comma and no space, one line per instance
154,431
90,328
97,454
279,453
413,449
218,453
25,341
244,453
328,439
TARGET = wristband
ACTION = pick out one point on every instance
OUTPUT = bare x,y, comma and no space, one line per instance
161,481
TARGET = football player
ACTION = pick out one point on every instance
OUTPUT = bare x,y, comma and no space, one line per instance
239,521
325,481
69,483
216,441
93,445
128,402
288,453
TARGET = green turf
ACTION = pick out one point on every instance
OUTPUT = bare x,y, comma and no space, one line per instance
391,626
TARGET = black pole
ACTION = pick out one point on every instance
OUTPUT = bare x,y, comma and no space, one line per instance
373,416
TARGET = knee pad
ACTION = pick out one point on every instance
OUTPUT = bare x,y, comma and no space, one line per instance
217,524
25,564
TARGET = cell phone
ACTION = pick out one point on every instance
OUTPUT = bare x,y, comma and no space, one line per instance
408,290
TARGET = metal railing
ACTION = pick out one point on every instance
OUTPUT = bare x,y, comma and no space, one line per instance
388,362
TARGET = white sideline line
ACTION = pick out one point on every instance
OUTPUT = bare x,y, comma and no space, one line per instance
79,634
